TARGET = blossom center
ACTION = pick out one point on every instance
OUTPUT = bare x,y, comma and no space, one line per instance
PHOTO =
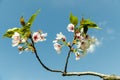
35,37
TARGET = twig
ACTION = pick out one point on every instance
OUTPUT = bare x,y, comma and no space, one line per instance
66,64
65,69
40,59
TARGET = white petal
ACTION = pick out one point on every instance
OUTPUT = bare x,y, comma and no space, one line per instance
97,43
15,42
55,41
60,36
78,44
16,34
91,48
57,47
78,34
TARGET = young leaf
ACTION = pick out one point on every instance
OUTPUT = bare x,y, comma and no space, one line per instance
32,18
93,25
88,23
10,32
73,19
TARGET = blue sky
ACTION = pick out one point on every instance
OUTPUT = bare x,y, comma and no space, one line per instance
54,18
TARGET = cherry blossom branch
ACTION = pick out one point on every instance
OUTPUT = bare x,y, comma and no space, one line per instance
44,66
81,39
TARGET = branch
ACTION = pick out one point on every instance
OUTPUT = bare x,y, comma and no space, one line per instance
68,56
65,73
44,66
65,69
103,76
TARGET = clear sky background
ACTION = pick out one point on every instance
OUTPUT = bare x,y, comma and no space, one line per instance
54,18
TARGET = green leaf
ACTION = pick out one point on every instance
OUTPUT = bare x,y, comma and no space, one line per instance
32,18
73,19
24,30
94,26
10,32
89,24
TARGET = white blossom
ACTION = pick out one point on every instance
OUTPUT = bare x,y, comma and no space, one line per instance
36,36
94,43
57,47
70,27
91,48
15,39
79,36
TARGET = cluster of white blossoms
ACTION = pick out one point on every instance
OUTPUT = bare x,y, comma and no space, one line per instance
23,44
82,43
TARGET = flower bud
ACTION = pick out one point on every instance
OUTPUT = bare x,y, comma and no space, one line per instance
22,21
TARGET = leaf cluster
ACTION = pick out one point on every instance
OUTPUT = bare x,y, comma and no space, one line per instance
25,29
